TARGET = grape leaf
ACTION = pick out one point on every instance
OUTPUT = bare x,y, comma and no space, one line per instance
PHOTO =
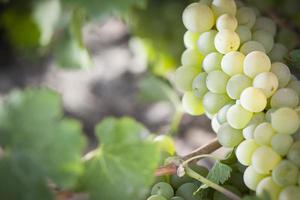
123,166
220,173
34,133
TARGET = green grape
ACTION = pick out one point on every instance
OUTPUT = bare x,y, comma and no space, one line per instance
285,173
237,84
290,193
265,38
221,116
187,190
177,198
212,62
253,99
267,82
252,178
220,7
281,143
192,104
244,33
285,97
294,153
269,186
228,136
220,196
263,133
226,41
245,151
199,85
190,39
287,37
177,181
269,114
214,102
184,77
216,81
255,63
215,124
295,85
251,46
246,16
238,117
282,72
163,189
156,197
206,43
258,118
232,63
278,52
264,159
226,21
285,120
198,17
248,132
192,58
265,24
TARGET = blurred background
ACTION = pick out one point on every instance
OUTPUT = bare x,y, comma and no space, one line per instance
112,58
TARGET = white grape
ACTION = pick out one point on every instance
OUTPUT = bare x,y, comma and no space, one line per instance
263,133
184,77
251,46
245,150
192,104
267,82
285,97
216,81
190,39
212,62
232,63
252,178
255,63
282,72
265,38
220,7
295,85
290,193
278,52
226,21
269,186
238,117
285,120
221,116
264,159
281,143
253,99
191,57
246,16
237,84
244,33
226,41
199,85
206,42
214,102
285,173
228,136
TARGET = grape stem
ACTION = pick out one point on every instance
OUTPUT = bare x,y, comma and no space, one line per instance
211,184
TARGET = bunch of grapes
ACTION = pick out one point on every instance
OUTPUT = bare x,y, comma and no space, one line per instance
233,70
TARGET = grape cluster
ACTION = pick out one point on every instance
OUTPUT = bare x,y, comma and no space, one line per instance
233,70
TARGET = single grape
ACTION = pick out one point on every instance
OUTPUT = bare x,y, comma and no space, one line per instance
237,84
285,173
221,116
214,102
212,62
190,39
198,17
269,186
258,118
265,24
226,41
282,72
232,63
206,42
192,58
295,85
226,21
163,189
253,99
246,16
264,159
184,77
156,197
290,193
265,38
285,97
238,117
220,196
294,153
248,132
255,63
278,52
252,178
216,81
245,151
228,136
187,190
192,104
285,120
281,143
177,181
267,82
220,7
199,85
251,46
263,133
244,33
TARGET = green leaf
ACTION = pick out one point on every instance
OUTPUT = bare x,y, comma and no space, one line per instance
124,165
32,127
220,173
